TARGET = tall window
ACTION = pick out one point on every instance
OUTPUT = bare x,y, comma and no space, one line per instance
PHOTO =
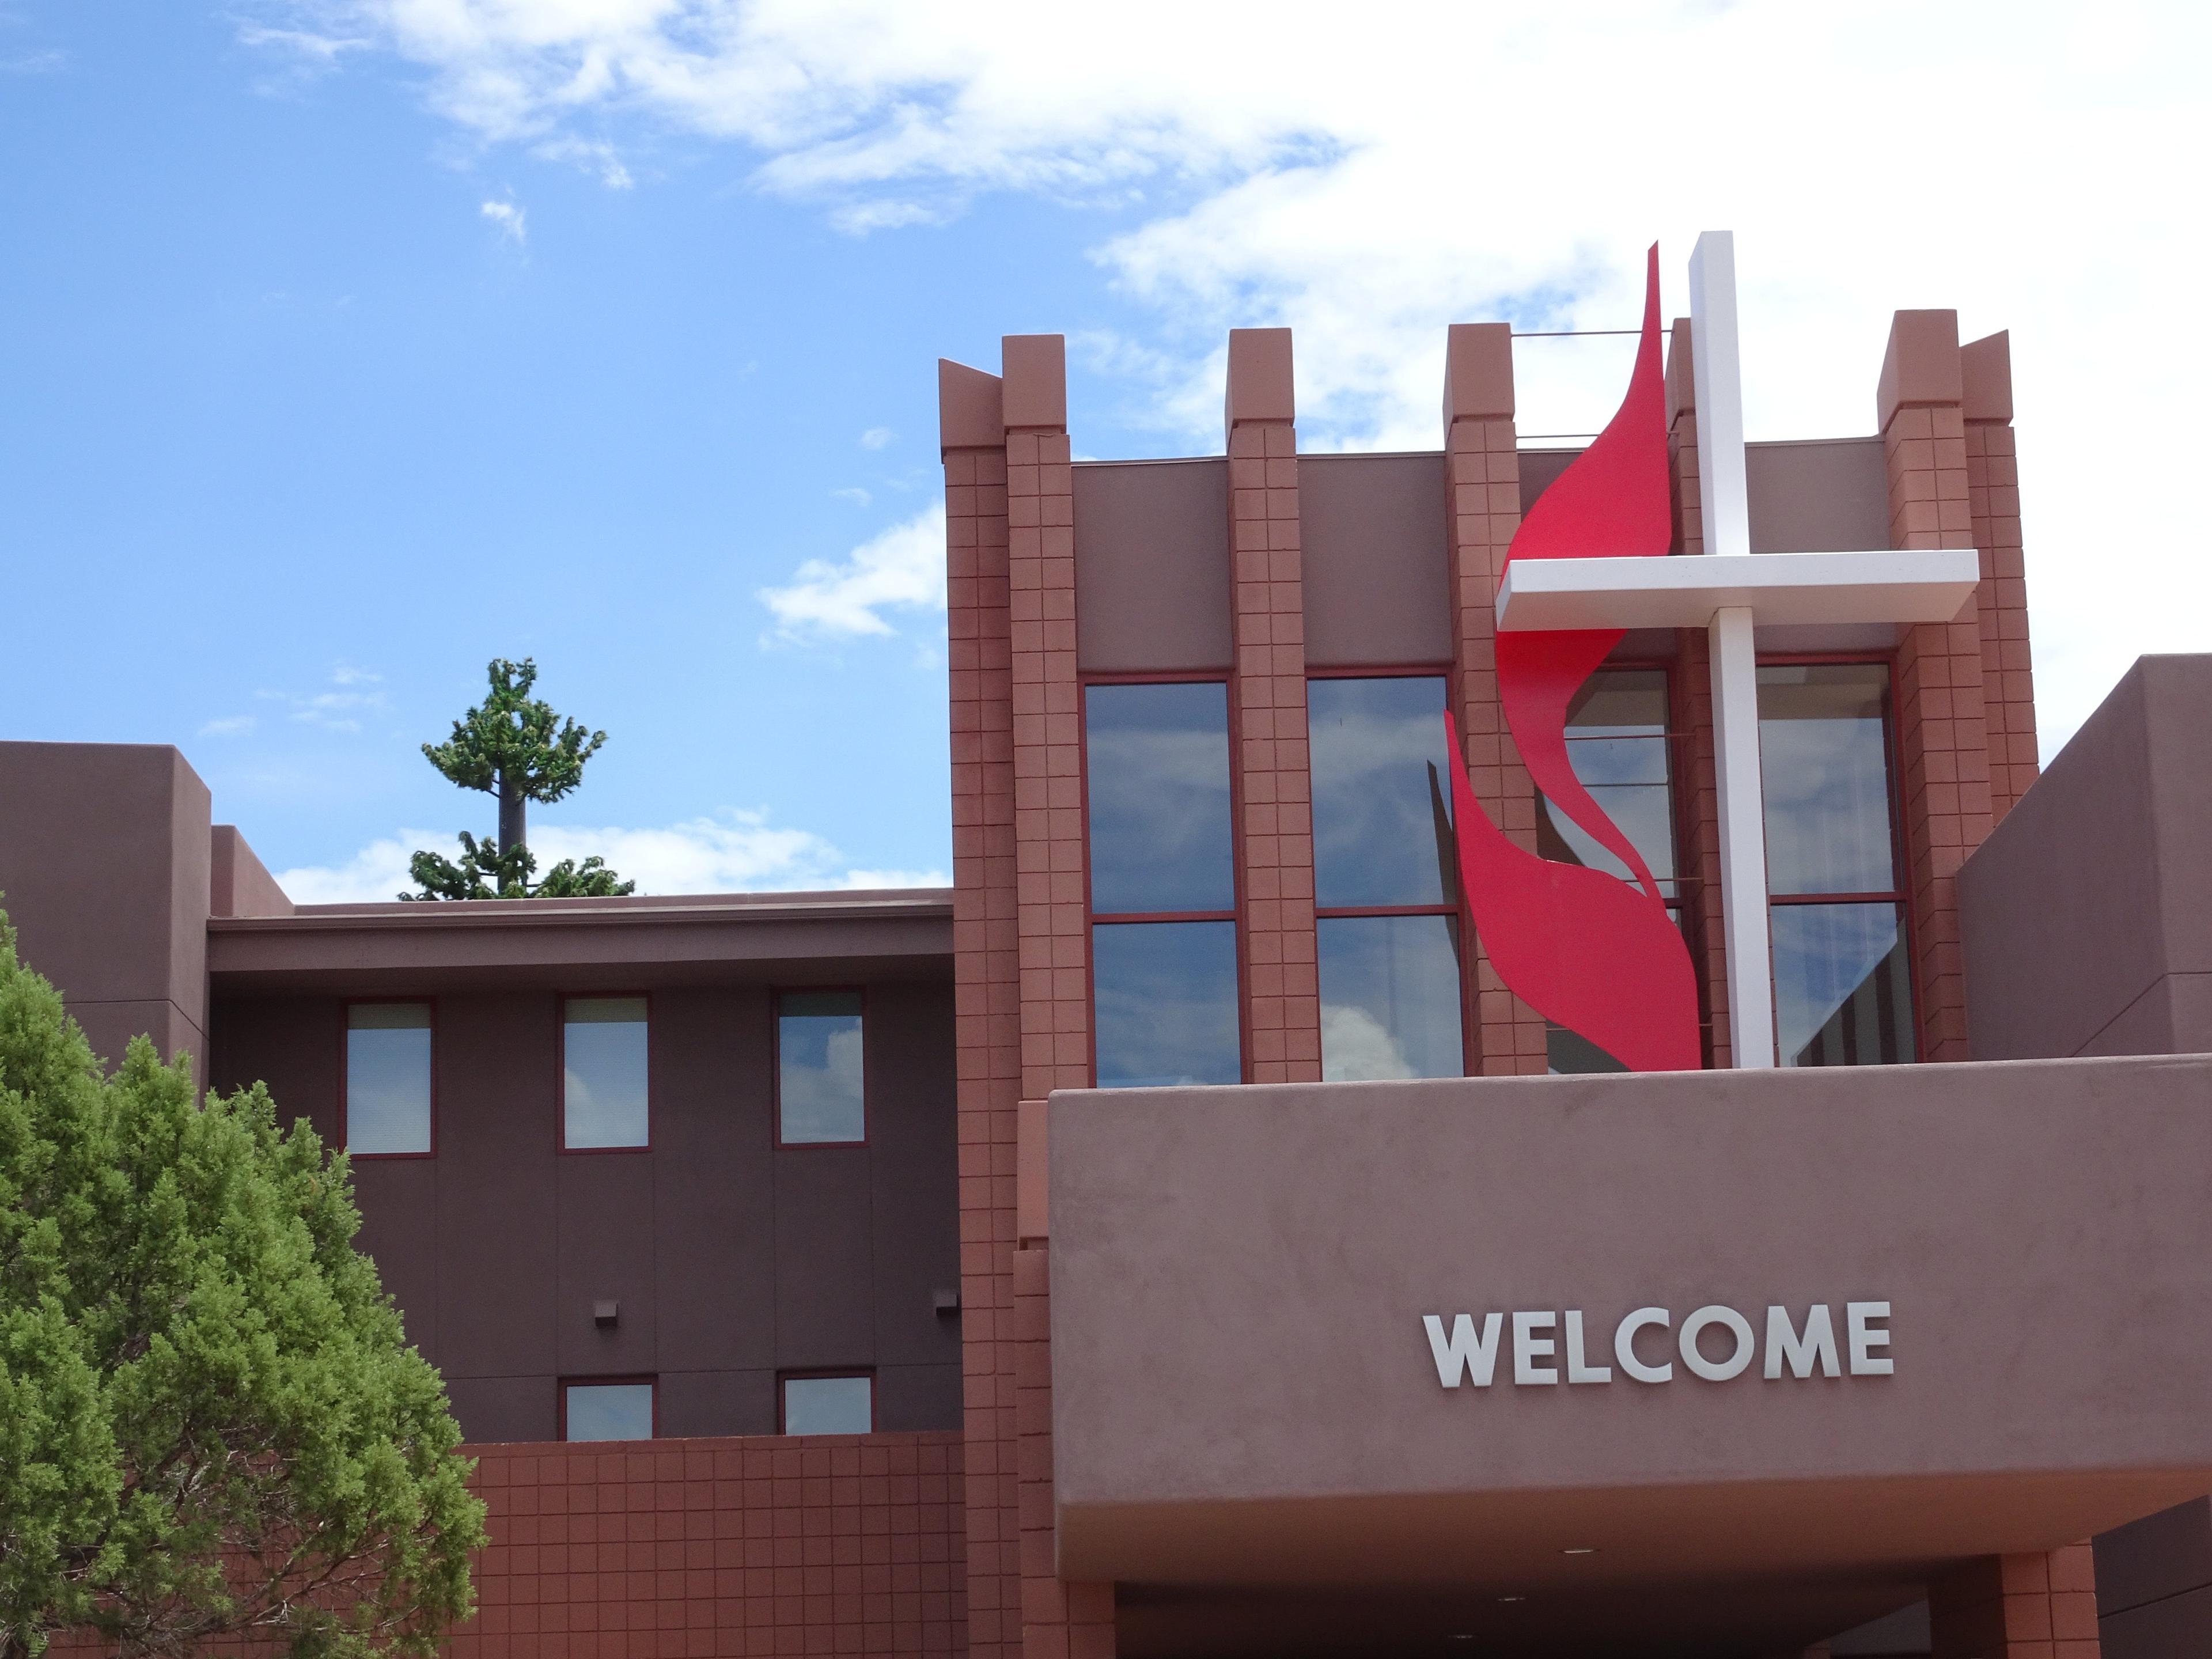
604,1095
1385,890
820,1094
1618,745
1163,884
606,1411
1843,983
387,1079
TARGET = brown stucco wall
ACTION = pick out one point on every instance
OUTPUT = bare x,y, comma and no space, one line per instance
1376,572
732,1260
105,871
2087,915
1152,566
1243,1392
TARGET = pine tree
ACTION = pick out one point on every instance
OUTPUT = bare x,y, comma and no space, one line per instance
514,748
210,1424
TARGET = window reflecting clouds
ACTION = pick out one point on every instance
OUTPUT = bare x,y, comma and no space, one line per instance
1165,1003
820,1094
828,1405
603,1084
1158,760
609,1410
1381,792
388,1081
1616,743
1823,766
1389,998
1843,990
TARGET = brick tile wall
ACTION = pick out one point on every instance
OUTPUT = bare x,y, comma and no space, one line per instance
830,1543
2017,1606
1943,761
1282,987
2001,606
1483,475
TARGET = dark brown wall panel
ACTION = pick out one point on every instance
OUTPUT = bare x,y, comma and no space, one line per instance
293,1044
914,1174
824,1258
1828,496
1377,581
497,1186
714,1188
1152,566
606,1233
398,1202
727,1402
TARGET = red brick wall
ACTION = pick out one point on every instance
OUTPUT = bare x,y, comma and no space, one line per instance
1943,759
1282,987
2001,606
830,1543
1483,476
2017,1606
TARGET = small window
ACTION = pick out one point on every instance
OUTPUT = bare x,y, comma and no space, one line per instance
606,1411
1165,997
821,1092
387,1079
828,1405
603,1073
1389,998
1157,758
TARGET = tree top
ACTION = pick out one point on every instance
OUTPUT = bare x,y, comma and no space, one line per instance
515,739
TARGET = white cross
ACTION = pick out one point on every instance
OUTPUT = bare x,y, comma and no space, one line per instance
1728,592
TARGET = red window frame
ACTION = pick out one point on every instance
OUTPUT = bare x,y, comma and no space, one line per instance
561,1000
650,1380
776,1073
825,1374
345,1072
1235,914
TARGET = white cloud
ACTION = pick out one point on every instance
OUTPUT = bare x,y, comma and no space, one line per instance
734,852
902,568
230,725
855,494
1450,160
512,221
876,437
341,710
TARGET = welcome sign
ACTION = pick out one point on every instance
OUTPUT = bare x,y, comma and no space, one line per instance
1548,1346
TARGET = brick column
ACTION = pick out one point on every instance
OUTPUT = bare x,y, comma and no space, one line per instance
987,972
1482,477
1993,497
1282,987
1943,742
2017,1606
1039,1615
1690,715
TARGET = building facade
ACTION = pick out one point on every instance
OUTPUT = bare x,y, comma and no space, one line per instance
922,1272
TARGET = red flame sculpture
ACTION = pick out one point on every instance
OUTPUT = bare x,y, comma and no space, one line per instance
1584,949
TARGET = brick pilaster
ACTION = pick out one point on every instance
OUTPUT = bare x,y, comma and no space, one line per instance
1993,495
2017,1606
1482,477
1942,736
1281,978
986,976
1690,716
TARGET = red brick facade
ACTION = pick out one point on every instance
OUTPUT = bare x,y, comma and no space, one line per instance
2017,1606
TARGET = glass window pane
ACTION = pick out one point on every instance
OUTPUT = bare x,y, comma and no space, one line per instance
1381,793
1158,760
603,1043
1165,1003
387,1082
828,1405
1389,998
1825,767
1843,989
819,1094
610,1410
1616,743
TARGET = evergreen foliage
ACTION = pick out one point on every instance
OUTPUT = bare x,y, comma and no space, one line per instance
516,749
209,1422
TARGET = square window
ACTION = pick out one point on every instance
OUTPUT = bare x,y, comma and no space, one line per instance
606,1411
1165,997
821,1092
603,1073
387,1079
1389,998
828,1405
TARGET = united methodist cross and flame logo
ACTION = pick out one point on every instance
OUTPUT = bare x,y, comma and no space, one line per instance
1584,948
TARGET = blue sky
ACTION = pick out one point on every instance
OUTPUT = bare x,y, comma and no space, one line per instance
346,344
